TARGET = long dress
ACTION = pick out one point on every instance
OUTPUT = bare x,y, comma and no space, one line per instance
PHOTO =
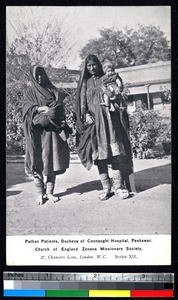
46,152
108,137
108,127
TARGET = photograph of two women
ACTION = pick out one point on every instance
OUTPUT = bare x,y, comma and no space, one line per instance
88,120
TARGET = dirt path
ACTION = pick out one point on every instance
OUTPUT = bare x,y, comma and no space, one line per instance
81,212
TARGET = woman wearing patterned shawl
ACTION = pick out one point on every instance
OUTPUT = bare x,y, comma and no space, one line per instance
47,152
102,136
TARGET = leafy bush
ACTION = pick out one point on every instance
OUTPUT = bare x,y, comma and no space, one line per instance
69,110
147,129
15,143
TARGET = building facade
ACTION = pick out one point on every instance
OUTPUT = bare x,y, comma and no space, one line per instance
148,84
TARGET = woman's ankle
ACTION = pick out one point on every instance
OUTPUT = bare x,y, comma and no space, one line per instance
51,197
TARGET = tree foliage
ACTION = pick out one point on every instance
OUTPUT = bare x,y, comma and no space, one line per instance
129,47
31,46
31,49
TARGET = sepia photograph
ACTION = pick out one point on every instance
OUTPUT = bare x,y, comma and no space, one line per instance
88,133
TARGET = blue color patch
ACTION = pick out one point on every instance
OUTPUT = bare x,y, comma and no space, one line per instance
24,293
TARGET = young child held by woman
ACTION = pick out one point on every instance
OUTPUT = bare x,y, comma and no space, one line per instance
112,87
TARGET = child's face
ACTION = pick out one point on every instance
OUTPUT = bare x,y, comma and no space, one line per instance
110,72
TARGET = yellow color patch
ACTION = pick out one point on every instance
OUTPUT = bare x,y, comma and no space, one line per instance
109,293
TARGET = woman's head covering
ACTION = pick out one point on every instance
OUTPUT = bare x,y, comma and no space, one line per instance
97,62
39,94
39,70
107,64
84,76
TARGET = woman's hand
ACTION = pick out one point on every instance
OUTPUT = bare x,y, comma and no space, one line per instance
117,91
89,120
43,109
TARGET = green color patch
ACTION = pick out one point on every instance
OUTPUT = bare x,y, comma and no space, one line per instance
66,293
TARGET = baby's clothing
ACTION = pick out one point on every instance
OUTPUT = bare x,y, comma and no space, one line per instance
112,87
113,81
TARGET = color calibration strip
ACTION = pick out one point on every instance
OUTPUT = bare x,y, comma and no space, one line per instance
86,285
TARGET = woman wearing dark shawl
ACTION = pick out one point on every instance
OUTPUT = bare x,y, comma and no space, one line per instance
47,152
102,136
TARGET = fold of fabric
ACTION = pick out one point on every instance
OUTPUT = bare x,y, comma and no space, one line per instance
108,138
46,151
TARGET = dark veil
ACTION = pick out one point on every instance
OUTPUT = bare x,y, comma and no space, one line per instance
38,69
84,76
85,135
